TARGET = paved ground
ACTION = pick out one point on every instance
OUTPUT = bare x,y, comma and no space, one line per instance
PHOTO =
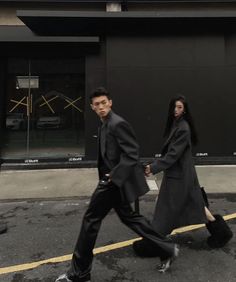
43,210
40,230
58,183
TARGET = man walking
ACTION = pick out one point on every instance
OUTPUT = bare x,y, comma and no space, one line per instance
121,181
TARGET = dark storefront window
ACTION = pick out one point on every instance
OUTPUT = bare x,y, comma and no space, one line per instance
44,108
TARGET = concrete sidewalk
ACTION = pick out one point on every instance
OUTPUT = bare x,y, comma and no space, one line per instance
57,183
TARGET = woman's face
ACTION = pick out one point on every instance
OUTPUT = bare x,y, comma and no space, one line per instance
179,109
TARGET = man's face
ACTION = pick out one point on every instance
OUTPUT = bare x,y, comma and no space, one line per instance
101,106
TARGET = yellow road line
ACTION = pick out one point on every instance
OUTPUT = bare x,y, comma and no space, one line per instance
27,266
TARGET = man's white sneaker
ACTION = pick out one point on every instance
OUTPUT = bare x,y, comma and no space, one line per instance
63,278
165,264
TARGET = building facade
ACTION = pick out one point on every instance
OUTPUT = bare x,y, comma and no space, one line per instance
54,53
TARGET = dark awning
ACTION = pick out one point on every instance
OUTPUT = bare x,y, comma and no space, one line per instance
44,22
24,34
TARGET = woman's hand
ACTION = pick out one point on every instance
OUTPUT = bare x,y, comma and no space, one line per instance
108,177
147,170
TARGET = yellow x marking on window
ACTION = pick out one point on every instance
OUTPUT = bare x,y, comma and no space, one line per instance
47,103
72,104
18,103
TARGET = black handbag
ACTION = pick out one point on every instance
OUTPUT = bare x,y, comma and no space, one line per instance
205,198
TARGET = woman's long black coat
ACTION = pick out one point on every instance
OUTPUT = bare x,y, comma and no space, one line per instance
180,201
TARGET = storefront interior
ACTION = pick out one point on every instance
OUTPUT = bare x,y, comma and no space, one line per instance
44,108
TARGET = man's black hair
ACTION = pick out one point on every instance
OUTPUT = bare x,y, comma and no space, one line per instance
100,91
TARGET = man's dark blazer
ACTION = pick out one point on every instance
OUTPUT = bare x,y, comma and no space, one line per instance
120,152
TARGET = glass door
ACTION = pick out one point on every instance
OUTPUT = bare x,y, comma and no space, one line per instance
45,109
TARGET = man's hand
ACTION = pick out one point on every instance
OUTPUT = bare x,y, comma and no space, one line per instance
105,180
108,177
147,170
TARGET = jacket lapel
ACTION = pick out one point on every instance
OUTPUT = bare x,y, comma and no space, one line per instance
102,136
103,140
99,141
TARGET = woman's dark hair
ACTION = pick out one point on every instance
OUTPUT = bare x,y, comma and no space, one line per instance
186,115
100,91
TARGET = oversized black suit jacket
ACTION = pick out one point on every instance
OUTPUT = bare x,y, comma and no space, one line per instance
120,152
180,201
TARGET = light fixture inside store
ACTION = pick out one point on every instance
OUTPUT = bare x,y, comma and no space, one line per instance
17,84
113,7
27,82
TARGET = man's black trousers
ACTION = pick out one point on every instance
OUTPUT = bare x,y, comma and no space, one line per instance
104,198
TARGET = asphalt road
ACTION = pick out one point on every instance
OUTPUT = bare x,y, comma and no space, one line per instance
40,230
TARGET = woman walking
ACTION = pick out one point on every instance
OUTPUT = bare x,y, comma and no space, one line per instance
180,200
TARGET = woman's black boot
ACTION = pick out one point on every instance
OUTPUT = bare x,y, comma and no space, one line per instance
220,232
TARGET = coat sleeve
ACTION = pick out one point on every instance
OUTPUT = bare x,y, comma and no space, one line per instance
129,148
174,153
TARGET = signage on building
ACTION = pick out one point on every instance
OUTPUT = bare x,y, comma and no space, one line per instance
70,159
202,154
